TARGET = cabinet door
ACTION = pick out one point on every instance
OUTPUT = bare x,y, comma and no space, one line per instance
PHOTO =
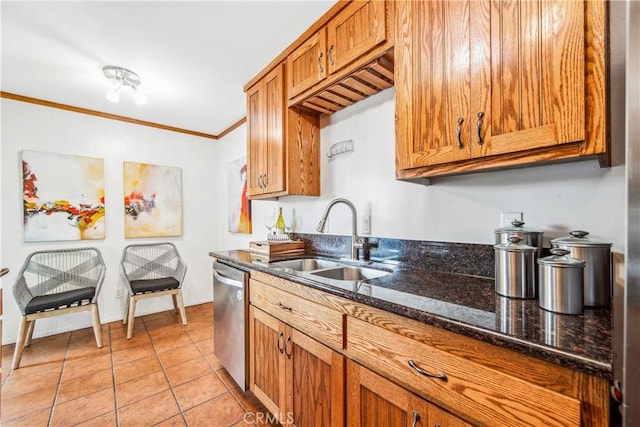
307,65
256,140
357,29
433,82
315,379
267,361
274,180
374,401
265,139
537,77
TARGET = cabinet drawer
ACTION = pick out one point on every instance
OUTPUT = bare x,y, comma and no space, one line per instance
488,396
315,320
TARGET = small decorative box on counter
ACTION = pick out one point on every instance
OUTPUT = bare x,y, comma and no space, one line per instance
271,248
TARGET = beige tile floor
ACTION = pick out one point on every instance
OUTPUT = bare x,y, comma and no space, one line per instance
166,375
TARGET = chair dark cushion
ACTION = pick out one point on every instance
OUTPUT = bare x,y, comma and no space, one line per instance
153,285
48,302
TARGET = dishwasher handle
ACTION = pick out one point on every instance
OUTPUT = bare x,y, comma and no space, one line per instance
225,280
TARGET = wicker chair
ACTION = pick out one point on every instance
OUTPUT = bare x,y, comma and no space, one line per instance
55,282
152,270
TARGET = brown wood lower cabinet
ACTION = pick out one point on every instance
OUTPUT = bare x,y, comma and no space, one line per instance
299,380
321,360
374,401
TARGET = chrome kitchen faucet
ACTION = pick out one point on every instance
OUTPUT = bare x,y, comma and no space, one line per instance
356,243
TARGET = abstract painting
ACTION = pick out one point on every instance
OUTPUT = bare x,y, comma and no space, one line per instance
239,204
63,197
152,200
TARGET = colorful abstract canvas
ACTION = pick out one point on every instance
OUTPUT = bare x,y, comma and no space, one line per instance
63,197
239,204
152,200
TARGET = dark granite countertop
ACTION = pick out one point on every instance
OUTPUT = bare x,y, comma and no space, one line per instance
468,305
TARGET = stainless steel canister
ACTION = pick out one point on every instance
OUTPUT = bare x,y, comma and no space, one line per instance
561,285
597,269
529,236
514,269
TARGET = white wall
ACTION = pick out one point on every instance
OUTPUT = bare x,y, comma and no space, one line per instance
554,198
27,126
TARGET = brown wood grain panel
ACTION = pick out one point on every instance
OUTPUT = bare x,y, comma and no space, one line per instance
347,92
307,65
274,174
406,140
317,321
309,105
509,102
457,72
314,381
358,86
488,396
510,362
336,98
480,91
357,29
255,140
597,81
265,360
372,79
303,152
566,49
531,71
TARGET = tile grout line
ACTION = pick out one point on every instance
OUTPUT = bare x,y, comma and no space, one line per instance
164,372
55,399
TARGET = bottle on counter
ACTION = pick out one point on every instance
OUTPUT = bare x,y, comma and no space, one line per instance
280,225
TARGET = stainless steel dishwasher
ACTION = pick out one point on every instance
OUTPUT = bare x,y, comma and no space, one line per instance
230,320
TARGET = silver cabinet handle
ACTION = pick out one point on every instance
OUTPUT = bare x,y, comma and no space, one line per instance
260,182
330,55
480,139
284,307
416,418
281,339
320,63
460,144
287,345
442,376
264,181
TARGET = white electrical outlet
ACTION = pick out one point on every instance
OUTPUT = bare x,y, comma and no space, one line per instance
118,291
507,217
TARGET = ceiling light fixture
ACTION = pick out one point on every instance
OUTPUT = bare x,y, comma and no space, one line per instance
123,77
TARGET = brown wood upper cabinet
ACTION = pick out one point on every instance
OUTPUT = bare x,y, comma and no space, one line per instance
283,144
357,29
486,84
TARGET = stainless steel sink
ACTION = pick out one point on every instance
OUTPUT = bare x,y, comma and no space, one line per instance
350,273
306,264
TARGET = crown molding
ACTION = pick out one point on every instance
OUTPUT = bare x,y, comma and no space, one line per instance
96,113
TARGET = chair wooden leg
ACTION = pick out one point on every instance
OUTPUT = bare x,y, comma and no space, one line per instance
22,336
97,327
32,326
174,297
132,315
126,311
180,304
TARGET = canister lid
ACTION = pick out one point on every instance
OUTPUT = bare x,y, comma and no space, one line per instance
514,245
579,239
516,227
559,258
